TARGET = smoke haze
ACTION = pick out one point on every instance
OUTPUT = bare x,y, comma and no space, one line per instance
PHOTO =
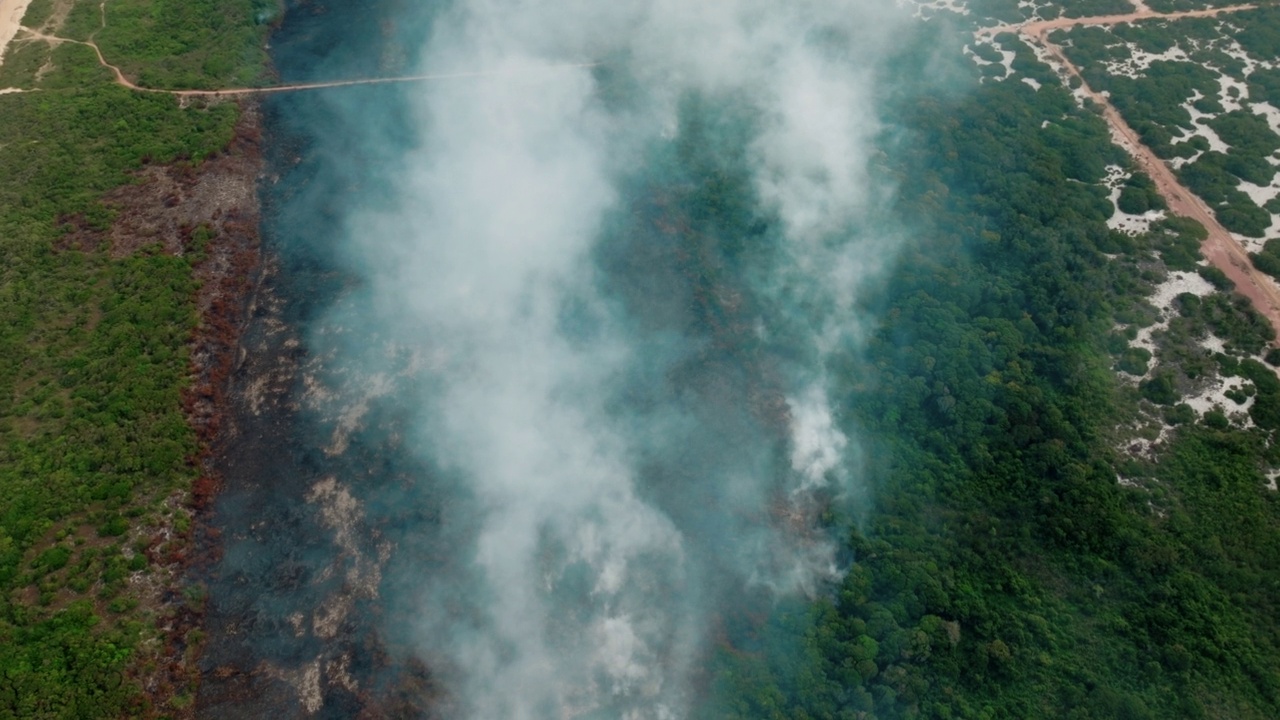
606,299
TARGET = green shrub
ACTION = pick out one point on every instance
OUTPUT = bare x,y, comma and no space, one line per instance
1160,389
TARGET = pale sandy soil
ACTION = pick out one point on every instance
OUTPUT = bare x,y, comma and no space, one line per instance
1120,220
968,51
925,9
1214,344
11,12
1139,60
1260,194
1270,112
1163,298
1198,119
1006,58
1232,47
1233,92
1215,396
1136,439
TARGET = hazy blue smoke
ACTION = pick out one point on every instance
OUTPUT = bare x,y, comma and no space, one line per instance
598,506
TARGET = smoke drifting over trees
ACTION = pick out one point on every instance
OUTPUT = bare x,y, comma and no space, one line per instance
619,289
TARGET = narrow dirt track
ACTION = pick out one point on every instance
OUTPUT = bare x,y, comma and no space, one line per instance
1145,13
124,81
368,81
1220,248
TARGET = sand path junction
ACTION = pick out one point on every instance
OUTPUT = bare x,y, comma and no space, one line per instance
1220,248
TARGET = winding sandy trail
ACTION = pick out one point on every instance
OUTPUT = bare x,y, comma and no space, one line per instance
124,81
1220,248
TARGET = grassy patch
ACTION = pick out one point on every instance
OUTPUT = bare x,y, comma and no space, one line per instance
93,360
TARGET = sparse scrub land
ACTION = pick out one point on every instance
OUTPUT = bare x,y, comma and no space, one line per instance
1051,540
187,44
1195,65
96,456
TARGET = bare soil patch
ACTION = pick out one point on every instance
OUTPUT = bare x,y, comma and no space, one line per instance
11,12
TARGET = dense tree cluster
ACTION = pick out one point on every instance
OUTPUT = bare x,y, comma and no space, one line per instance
1005,572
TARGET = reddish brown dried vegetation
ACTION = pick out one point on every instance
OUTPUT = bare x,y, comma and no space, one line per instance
208,212
79,234
227,274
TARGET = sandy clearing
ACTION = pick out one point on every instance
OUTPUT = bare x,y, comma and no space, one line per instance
1140,60
1231,101
1268,111
1214,395
1259,194
1120,220
968,51
1201,130
11,12
1179,162
1232,47
1256,244
1163,298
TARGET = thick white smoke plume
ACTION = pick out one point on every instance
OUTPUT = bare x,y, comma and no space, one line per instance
575,590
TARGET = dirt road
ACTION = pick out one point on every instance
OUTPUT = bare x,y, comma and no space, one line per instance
124,81
1032,27
1220,248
